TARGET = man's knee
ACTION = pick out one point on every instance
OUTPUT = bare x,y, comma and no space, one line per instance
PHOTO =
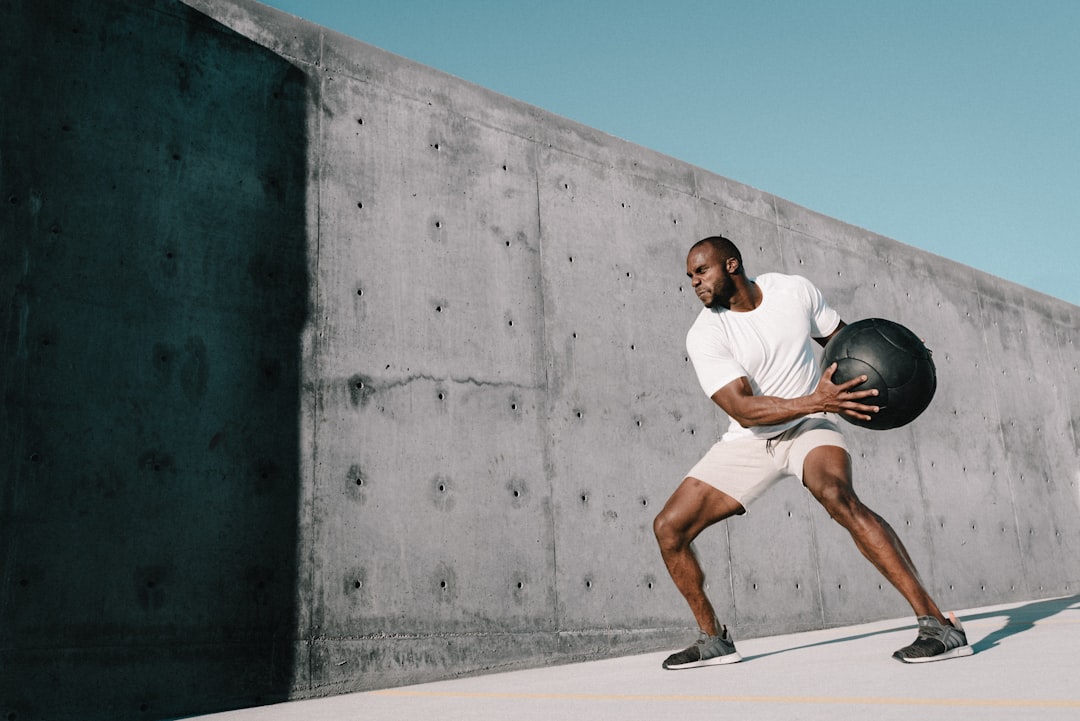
661,527
840,501
668,533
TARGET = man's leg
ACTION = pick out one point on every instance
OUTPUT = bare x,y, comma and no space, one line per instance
693,507
827,475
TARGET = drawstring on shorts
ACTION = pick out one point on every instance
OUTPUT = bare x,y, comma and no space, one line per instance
770,449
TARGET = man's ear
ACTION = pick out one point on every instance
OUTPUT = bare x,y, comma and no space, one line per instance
732,265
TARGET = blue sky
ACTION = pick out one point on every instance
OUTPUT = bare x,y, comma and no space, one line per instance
952,126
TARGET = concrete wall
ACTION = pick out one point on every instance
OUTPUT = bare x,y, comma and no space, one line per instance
325,371
153,286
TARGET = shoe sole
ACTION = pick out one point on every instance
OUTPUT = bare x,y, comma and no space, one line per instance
958,652
715,661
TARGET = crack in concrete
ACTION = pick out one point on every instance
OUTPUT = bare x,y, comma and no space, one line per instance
362,387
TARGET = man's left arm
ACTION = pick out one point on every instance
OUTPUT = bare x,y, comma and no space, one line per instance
824,341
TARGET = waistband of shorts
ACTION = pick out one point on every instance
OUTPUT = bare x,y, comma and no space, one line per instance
818,419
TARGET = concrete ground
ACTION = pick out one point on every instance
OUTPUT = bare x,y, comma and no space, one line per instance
1025,668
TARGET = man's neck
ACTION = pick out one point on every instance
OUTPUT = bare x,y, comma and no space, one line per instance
747,296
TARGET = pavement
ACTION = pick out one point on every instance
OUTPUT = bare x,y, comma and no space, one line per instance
1025,668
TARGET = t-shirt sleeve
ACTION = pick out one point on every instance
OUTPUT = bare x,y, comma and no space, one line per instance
713,362
823,319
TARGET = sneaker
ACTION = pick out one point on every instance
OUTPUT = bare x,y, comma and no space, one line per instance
708,651
936,642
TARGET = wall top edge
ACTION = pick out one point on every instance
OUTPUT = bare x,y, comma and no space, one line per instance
328,51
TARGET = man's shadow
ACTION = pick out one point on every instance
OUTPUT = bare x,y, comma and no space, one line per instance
1022,618
1017,620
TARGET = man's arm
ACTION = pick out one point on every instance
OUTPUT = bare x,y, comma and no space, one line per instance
824,341
738,401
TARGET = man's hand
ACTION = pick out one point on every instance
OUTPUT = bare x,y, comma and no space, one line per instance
840,398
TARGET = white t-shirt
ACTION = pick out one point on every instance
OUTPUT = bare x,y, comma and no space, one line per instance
772,345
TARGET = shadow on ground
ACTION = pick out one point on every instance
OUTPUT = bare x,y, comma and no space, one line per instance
1017,620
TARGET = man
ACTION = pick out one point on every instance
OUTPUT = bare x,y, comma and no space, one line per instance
752,352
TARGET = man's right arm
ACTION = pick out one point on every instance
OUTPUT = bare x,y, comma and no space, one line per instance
738,401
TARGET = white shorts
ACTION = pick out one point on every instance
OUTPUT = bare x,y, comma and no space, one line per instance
746,468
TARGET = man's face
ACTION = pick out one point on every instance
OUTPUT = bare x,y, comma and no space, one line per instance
708,276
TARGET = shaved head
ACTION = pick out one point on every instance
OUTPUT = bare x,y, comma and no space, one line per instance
724,248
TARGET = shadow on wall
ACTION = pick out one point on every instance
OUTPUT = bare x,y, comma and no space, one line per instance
153,289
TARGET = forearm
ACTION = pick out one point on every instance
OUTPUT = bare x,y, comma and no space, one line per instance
751,411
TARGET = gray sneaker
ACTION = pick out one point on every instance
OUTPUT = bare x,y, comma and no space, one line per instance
936,642
708,651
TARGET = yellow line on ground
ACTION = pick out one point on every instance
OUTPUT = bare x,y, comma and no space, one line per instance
839,700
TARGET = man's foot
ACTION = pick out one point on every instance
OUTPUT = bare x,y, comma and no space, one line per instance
937,641
708,651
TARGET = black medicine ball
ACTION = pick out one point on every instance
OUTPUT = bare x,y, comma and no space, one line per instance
895,362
